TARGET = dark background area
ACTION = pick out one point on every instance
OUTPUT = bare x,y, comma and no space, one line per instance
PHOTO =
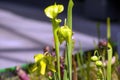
86,13
91,9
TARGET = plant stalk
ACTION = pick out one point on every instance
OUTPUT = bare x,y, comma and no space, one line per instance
56,42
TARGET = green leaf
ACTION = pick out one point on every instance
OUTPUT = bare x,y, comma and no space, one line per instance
33,67
52,67
50,59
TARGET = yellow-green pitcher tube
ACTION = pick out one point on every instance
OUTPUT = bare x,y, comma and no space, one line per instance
69,23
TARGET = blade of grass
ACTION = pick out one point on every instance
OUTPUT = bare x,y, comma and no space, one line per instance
74,68
81,63
88,66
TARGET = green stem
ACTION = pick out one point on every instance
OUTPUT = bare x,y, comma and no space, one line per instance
56,41
69,14
54,76
80,64
88,67
100,74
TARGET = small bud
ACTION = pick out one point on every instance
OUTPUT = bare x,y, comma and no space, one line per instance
64,34
94,58
99,63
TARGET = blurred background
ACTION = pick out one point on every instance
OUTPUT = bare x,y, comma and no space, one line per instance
25,30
